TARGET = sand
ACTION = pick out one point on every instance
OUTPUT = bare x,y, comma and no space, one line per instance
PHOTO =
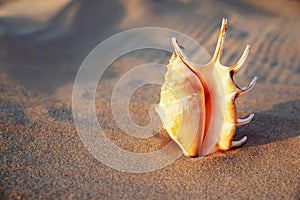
42,155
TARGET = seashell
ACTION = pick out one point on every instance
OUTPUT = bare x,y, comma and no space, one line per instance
197,103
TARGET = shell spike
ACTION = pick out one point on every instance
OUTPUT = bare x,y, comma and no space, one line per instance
220,44
239,142
247,88
178,48
237,67
245,120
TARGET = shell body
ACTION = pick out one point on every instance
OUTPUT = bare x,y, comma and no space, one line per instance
197,103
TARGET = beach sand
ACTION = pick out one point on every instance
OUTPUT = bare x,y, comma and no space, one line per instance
42,155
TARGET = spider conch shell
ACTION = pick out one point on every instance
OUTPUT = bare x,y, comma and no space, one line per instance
197,103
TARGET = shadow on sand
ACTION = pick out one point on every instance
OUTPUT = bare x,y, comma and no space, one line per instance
50,57
279,123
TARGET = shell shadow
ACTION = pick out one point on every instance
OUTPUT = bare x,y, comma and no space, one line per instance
279,123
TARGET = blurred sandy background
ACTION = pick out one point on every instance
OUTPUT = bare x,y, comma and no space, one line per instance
43,43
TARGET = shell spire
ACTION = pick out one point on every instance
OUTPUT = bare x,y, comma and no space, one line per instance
197,104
